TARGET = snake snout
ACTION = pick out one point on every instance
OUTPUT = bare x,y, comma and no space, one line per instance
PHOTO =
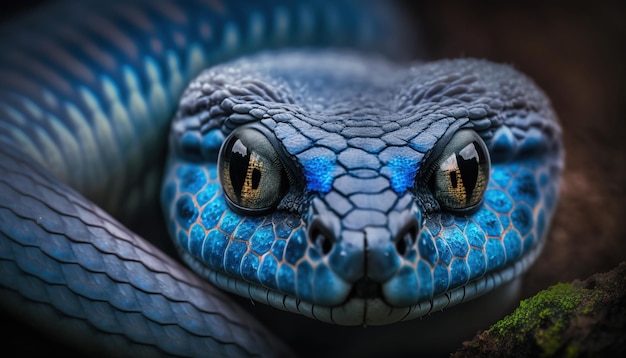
365,253
385,248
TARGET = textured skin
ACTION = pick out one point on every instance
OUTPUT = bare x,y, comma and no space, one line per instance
361,135
72,270
85,106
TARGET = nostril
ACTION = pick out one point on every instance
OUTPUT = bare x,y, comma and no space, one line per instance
407,238
326,244
321,237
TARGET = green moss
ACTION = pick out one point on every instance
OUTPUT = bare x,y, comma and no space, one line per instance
549,339
579,319
542,318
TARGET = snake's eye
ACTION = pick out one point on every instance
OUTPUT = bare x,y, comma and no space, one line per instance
461,173
251,171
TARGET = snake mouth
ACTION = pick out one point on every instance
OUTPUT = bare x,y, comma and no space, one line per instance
366,288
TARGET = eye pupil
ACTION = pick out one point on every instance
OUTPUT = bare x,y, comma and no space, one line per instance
453,182
468,162
256,178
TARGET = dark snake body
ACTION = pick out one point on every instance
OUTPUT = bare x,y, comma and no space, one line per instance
85,107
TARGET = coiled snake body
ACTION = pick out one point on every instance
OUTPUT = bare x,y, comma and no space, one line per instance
330,183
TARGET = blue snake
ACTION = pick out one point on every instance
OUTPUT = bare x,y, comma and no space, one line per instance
300,165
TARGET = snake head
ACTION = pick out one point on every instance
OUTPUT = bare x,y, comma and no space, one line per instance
353,190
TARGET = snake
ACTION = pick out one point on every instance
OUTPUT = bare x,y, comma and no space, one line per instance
285,150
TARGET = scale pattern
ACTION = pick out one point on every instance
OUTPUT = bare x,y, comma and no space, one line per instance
363,149
85,108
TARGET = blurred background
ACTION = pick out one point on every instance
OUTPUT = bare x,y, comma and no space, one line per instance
575,51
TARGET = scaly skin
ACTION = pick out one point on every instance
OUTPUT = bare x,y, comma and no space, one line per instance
85,108
363,137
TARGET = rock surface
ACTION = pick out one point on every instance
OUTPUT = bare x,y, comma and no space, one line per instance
578,319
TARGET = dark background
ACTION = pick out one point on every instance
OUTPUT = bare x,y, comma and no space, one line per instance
575,52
